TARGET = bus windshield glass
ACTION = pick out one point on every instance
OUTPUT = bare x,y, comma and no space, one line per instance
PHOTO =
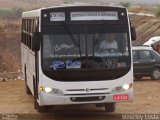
102,46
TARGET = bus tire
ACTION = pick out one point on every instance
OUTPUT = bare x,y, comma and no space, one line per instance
110,107
27,90
40,109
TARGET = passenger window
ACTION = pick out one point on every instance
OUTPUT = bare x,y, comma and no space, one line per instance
145,55
135,56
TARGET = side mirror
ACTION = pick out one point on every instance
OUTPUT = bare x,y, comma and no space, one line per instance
133,33
36,39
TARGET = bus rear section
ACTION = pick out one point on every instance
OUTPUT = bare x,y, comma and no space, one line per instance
73,64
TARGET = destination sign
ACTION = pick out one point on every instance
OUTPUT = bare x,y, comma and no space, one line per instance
99,15
57,16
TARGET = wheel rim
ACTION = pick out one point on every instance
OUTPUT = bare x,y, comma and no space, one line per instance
156,74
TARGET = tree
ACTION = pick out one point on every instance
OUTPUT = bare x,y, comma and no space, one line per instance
158,12
125,4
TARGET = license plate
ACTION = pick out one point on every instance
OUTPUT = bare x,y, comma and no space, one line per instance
120,97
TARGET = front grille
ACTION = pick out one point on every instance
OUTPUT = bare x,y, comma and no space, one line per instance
75,90
93,89
87,94
87,99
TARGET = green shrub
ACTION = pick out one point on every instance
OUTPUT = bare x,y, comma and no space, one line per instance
158,12
12,14
125,4
4,12
65,1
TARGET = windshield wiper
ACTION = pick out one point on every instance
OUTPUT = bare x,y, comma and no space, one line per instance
65,25
70,34
100,35
95,42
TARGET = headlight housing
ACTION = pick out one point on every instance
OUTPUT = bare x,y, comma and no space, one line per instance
57,91
52,90
122,88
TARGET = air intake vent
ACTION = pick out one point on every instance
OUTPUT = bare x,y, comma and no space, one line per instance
93,89
87,99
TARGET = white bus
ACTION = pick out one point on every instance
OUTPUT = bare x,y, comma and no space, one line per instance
62,60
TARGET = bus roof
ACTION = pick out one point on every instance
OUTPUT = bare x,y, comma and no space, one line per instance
37,13
32,13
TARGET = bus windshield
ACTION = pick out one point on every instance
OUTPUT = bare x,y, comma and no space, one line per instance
101,46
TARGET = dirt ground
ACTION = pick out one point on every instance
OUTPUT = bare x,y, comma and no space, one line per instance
146,99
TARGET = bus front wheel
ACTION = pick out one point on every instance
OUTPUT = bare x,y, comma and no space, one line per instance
27,90
110,107
40,109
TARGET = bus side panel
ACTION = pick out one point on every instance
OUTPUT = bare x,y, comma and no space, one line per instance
28,62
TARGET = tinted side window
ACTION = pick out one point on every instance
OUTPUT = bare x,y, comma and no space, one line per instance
135,55
145,55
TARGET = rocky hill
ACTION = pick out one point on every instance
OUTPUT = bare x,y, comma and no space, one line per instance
146,27
28,4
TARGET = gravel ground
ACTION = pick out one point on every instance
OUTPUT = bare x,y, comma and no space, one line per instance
15,101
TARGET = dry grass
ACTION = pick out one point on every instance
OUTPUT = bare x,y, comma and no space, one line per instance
9,62
142,9
9,45
146,27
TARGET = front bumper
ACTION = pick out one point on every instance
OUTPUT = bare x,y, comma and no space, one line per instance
46,99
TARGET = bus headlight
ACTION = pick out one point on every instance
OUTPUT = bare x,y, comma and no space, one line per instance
53,91
126,86
120,89
48,89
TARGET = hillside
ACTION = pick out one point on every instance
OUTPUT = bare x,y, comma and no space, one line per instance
27,4
146,27
9,45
